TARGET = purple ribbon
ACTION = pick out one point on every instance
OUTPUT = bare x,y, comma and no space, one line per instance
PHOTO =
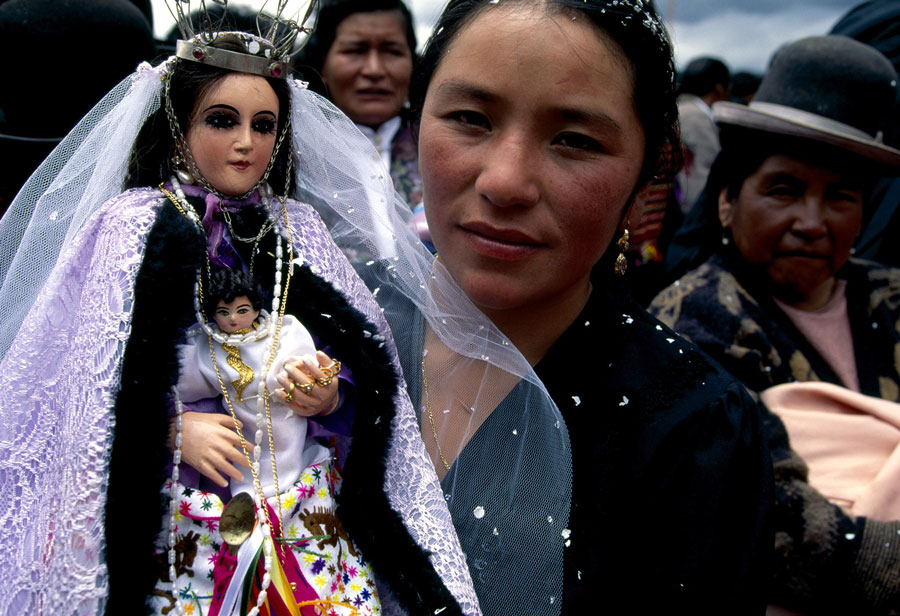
219,242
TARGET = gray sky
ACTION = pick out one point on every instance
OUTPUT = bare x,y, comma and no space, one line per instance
744,33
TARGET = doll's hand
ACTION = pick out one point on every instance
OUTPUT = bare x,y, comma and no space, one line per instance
210,444
310,386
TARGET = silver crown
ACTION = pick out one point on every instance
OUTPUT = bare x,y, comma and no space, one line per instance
267,53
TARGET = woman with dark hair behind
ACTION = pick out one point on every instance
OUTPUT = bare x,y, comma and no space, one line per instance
362,56
590,460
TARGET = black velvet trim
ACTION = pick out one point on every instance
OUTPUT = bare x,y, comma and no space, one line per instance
363,505
139,455
134,505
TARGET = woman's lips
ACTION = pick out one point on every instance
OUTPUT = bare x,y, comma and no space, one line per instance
373,94
507,244
802,254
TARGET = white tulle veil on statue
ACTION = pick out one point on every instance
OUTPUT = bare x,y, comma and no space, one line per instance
511,520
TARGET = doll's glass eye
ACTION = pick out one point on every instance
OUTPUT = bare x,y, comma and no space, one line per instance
264,126
220,119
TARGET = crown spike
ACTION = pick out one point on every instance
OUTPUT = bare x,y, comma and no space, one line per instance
267,54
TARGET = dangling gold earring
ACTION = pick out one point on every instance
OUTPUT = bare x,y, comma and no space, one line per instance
622,260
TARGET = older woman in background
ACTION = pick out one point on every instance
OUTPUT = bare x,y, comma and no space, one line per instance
362,56
782,300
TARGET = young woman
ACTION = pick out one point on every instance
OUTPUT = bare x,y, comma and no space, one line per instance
591,460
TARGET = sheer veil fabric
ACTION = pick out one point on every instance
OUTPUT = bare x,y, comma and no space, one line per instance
56,420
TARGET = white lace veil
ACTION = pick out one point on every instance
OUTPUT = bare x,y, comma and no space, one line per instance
510,493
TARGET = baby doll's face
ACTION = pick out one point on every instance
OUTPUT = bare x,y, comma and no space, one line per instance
235,315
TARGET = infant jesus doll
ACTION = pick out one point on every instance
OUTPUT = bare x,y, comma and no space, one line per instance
229,364
225,362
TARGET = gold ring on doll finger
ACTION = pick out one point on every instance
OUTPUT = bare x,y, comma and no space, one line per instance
306,387
333,369
325,381
289,396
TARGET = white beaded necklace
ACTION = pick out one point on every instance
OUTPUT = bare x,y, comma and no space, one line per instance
266,327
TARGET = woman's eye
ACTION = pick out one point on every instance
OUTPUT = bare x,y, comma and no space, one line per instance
264,126
848,196
782,190
577,141
470,118
221,120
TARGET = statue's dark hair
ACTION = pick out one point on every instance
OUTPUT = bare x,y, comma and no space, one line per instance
227,284
150,161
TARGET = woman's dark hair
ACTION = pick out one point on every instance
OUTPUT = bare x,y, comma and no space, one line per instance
227,284
635,26
150,161
331,14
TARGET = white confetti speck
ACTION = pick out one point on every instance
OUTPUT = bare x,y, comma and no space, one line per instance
681,351
566,533
496,532
850,536
516,432
557,424
54,215
670,340
478,512
624,401
659,328
579,575
552,600
587,323
874,325
439,610
577,400
550,519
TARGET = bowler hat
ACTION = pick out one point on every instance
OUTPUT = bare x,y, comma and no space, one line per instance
830,89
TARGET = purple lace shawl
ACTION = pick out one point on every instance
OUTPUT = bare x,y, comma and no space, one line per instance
56,412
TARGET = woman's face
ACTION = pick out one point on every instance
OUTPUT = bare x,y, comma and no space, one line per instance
530,150
368,67
235,315
232,132
798,220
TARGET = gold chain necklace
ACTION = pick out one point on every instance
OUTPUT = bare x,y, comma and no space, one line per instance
431,416
187,211
266,395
